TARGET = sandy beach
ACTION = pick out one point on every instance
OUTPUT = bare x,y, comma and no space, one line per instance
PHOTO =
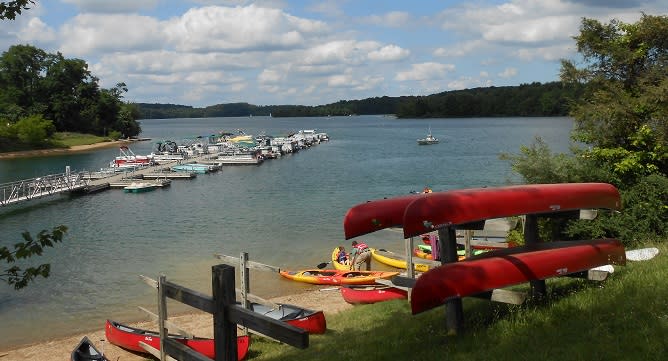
57,151
200,324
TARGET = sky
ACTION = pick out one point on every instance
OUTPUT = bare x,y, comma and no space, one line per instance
274,52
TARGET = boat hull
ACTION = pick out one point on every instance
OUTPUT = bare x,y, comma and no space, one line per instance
313,322
337,277
371,294
86,351
129,337
502,268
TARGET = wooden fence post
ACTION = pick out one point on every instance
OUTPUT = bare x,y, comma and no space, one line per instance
538,288
162,316
454,309
224,331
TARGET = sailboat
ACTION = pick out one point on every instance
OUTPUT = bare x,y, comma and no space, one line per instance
429,139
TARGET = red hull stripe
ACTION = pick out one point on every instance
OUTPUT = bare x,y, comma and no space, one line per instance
497,269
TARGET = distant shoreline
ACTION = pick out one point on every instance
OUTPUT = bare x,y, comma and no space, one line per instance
59,151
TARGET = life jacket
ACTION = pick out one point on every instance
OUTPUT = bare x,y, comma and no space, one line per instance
361,247
342,256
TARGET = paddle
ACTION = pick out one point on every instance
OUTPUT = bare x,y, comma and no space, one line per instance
323,265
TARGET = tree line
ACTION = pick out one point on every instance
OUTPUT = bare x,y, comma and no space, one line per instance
42,93
535,99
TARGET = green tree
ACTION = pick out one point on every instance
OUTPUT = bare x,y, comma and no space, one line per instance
9,9
20,278
34,130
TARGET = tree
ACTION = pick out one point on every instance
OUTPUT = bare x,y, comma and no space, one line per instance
9,9
622,121
18,278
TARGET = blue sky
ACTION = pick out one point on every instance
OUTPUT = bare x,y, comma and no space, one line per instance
206,52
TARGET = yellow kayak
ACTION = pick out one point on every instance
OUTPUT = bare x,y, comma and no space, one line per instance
336,277
396,261
337,265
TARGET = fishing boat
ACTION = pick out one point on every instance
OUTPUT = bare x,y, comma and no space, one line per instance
86,351
240,159
371,294
512,266
396,261
309,320
429,139
128,159
129,338
139,187
336,277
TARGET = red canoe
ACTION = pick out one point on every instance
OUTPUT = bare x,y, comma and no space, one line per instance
437,210
421,213
129,337
312,321
498,269
371,294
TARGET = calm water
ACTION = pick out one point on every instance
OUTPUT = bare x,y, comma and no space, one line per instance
286,212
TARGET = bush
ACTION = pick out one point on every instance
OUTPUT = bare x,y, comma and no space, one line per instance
34,129
644,216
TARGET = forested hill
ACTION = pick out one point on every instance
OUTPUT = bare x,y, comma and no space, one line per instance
535,99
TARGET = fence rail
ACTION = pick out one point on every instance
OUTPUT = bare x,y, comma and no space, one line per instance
33,188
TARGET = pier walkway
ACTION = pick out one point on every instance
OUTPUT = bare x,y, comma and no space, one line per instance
86,182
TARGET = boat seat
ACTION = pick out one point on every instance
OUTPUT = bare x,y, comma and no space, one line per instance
294,314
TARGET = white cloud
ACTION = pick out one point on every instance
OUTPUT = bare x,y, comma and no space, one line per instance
389,53
425,71
468,82
89,33
116,6
268,76
460,49
508,73
238,29
36,31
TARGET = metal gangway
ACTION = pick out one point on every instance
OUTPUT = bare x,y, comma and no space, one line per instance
25,190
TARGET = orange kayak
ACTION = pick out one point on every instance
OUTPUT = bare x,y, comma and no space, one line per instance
337,277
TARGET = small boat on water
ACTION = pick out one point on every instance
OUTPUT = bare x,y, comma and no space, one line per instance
129,337
371,294
86,351
312,321
240,158
193,168
139,187
337,277
429,139
128,159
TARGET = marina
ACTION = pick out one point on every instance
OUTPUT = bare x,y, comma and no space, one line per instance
286,212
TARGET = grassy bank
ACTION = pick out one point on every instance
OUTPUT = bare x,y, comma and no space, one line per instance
622,318
68,139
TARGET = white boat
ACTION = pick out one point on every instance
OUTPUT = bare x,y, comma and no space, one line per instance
240,159
139,187
127,159
429,139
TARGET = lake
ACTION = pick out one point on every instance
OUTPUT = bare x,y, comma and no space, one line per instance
286,212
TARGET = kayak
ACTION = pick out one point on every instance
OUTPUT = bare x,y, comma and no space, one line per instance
371,294
335,263
129,338
337,277
396,261
425,252
86,351
309,320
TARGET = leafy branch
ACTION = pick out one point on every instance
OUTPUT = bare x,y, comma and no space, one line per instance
14,275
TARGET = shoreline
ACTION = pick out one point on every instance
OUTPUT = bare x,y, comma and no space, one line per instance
198,323
59,151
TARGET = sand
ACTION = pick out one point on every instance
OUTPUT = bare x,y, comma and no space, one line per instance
59,151
200,324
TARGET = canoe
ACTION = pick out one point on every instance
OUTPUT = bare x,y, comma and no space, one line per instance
423,253
312,321
129,337
421,213
337,277
337,265
395,261
371,294
507,267
86,351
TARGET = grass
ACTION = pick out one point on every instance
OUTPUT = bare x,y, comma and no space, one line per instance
69,139
623,318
